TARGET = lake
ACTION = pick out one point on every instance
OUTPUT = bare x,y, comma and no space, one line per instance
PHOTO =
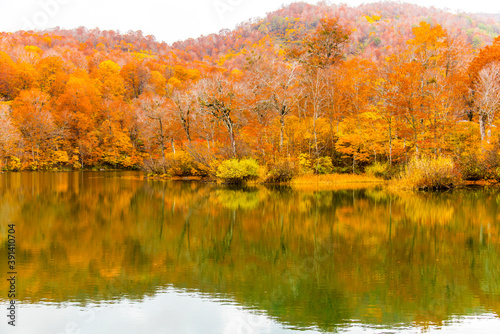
108,252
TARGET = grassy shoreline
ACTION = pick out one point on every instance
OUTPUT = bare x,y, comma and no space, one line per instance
334,181
329,182
323,180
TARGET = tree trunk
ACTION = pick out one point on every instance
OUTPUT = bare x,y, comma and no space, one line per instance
282,131
185,125
417,153
229,126
163,156
482,125
162,144
315,138
390,144
233,142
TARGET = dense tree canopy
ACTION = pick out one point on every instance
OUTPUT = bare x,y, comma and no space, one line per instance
315,86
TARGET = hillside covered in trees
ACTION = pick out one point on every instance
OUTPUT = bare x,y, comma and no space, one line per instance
306,89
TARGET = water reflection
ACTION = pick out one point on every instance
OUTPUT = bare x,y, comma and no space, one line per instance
318,260
180,312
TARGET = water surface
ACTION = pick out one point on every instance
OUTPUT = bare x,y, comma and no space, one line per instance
102,252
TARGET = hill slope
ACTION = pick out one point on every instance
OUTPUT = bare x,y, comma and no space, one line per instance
374,26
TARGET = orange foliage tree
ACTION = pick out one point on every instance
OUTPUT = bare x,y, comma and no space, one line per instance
326,92
31,114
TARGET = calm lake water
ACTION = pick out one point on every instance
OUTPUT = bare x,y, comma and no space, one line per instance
106,252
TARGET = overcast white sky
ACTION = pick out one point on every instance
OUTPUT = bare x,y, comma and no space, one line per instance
168,20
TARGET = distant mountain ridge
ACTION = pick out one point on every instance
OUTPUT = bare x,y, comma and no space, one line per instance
374,26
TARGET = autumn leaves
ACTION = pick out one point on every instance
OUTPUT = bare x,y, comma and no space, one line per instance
312,99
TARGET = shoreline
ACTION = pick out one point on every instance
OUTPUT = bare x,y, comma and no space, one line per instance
308,181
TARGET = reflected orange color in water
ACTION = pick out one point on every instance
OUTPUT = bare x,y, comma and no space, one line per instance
306,257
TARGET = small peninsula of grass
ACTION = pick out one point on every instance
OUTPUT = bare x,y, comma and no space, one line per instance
333,179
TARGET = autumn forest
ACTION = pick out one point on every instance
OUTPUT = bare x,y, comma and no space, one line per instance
310,88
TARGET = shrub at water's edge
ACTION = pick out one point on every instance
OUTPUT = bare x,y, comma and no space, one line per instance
480,166
431,173
282,171
178,165
238,171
